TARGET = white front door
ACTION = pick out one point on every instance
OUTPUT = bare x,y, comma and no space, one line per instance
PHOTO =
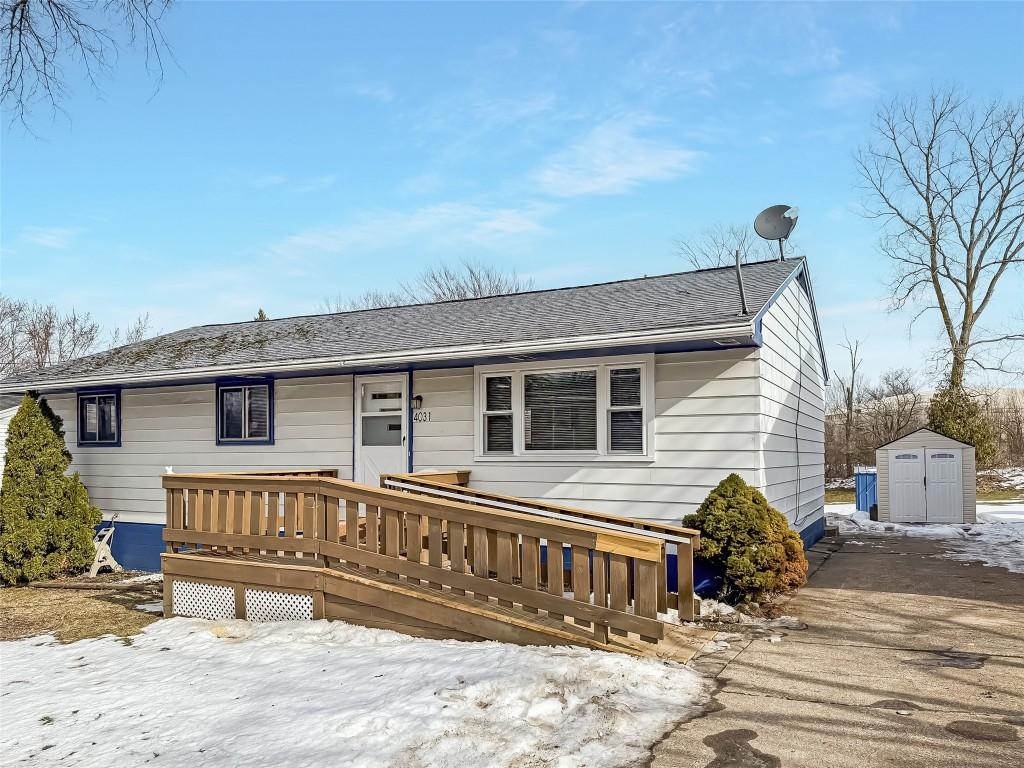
381,427
906,486
945,488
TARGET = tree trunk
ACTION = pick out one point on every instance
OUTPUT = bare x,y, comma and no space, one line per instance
956,370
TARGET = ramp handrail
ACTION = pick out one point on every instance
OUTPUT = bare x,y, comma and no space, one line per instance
685,540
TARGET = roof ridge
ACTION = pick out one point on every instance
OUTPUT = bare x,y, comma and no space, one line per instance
494,296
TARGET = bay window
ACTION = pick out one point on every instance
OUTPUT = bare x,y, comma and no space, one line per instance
548,410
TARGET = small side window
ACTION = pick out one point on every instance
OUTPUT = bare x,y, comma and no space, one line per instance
625,411
498,414
99,418
245,413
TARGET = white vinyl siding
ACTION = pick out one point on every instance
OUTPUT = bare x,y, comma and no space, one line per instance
792,409
925,438
706,425
176,427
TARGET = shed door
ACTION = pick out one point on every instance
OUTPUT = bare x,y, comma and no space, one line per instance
945,485
906,486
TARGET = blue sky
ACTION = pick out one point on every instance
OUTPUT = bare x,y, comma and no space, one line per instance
295,151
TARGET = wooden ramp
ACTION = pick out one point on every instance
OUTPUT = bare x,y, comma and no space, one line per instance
270,547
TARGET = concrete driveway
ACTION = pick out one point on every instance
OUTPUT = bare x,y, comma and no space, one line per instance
907,659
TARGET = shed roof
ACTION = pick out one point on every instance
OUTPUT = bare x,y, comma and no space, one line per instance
935,438
621,311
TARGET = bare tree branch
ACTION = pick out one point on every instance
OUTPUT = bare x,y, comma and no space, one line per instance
37,335
946,179
467,280
39,38
716,247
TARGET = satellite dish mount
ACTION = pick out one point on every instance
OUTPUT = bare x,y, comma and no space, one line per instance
776,223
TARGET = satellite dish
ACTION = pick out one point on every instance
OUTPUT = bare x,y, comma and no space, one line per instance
776,223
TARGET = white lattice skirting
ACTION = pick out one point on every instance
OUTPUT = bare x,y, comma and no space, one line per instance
202,601
263,605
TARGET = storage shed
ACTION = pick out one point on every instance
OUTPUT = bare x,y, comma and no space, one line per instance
925,477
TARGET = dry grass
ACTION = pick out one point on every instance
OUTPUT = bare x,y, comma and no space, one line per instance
75,614
840,496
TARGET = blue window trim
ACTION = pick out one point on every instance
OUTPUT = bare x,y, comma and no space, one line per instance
247,381
94,392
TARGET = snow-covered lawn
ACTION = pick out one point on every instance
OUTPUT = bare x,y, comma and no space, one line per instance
997,539
189,692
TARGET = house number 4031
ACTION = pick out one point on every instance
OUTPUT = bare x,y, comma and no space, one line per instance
421,415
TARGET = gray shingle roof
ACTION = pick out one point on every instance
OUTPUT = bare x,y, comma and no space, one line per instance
685,300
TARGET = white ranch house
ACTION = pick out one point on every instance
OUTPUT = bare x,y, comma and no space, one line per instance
633,397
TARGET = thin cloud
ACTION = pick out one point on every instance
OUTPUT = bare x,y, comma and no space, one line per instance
613,158
269,180
374,91
439,224
58,238
316,183
280,181
847,90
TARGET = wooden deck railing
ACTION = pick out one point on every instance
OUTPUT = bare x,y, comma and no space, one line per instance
685,540
489,554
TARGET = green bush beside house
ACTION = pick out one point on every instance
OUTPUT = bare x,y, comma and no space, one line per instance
46,519
749,541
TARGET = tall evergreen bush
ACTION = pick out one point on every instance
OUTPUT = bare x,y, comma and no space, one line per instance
46,519
957,414
749,541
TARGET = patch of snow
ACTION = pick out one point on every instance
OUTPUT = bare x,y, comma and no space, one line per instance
329,693
712,610
714,646
157,606
1005,477
144,579
844,483
997,539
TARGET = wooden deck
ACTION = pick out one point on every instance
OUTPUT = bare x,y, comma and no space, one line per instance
307,545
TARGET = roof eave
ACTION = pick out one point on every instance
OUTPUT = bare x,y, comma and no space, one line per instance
744,327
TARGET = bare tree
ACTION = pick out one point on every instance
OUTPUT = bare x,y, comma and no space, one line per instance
716,247
892,407
54,337
133,332
37,335
467,280
39,37
371,299
850,386
946,179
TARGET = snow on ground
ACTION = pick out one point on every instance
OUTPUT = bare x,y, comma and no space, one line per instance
145,578
997,539
1004,477
186,692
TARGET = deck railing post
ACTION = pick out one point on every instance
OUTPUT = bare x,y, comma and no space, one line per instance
684,580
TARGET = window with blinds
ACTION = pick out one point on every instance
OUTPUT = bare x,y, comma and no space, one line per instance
98,419
244,413
625,411
600,411
498,416
560,411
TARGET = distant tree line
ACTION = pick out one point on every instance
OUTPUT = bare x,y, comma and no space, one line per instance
862,414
